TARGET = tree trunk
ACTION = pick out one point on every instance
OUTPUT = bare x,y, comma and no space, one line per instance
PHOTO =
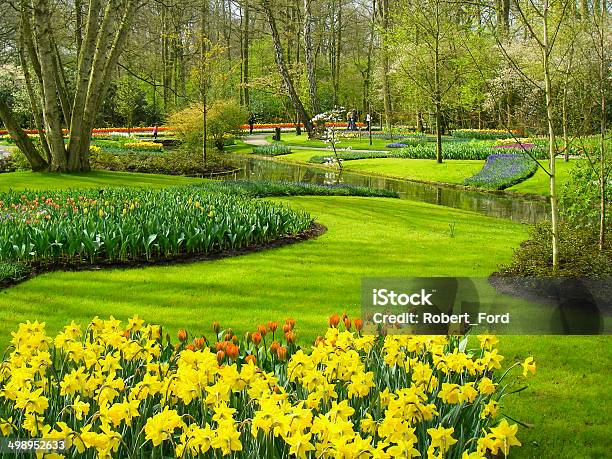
284,73
53,125
552,148
309,53
35,106
437,91
602,126
386,85
21,139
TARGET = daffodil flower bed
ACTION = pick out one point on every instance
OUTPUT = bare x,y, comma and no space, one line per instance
125,390
127,224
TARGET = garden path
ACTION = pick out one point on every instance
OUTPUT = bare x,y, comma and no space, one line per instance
256,139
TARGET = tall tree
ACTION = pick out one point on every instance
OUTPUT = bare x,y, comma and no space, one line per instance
309,53
284,72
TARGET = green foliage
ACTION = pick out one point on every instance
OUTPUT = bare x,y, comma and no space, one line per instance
271,150
17,161
176,162
12,271
580,197
579,255
223,121
266,188
127,224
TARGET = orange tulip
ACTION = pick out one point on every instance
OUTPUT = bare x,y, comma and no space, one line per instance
282,353
182,335
291,337
334,320
232,351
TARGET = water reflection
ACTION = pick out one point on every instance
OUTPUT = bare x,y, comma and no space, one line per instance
503,206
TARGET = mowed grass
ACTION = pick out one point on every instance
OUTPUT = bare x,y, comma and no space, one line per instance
96,179
427,170
539,183
567,401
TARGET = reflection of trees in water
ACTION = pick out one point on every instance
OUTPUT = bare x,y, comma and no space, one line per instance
333,178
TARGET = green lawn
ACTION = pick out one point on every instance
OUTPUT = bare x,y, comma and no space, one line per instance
450,171
47,181
566,401
538,184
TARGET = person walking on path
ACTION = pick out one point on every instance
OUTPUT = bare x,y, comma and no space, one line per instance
354,117
251,123
155,131
368,120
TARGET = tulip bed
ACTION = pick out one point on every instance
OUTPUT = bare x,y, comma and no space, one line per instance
127,224
457,150
503,170
271,150
126,390
484,134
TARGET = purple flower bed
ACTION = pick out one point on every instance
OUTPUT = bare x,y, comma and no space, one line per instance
503,170
396,145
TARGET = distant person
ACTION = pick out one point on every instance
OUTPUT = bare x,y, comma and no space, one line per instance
251,123
355,118
368,120
349,118
155,132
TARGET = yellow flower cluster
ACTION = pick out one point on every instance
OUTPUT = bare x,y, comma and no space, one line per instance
143,145
121,390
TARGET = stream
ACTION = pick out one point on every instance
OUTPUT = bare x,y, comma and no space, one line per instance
519,209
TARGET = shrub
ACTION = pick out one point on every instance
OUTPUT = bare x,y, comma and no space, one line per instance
223,121
121,224
503,170
176,162
125,390
579,255
264,188
580,196
15,161
141,145
271,150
